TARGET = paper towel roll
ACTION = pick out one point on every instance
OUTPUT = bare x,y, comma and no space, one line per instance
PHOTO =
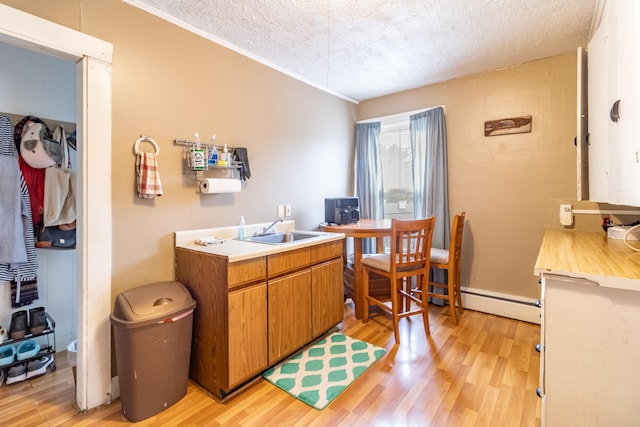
220,185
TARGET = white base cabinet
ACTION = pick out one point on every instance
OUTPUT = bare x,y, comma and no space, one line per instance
590,336
590,354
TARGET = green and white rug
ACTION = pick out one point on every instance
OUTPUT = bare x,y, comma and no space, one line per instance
319,373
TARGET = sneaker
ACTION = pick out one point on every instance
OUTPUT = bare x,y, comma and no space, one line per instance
38,366
16,374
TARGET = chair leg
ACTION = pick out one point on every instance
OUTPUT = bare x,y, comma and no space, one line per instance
394,308
365,295
452,301
405,285
459,300
424,297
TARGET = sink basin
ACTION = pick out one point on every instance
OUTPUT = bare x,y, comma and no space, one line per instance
280,238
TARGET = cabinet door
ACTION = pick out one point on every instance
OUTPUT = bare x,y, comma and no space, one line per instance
591,352
625,89
247,333
614,64
598,87
327,296
289,314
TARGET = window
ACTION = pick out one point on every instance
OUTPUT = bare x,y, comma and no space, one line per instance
395,151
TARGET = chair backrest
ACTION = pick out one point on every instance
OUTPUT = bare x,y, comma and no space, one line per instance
411,243
455,246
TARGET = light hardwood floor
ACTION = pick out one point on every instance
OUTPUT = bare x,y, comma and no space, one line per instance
482,373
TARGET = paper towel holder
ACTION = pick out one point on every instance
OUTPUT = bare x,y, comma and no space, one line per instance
219,185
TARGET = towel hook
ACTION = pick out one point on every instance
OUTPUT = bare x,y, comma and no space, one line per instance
145,138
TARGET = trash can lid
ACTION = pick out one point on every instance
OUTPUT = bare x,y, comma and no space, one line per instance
153,301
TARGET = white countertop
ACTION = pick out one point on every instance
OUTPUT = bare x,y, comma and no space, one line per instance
238,250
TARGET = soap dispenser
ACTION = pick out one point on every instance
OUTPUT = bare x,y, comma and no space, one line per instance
241,230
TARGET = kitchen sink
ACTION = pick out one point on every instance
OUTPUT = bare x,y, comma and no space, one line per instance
280,238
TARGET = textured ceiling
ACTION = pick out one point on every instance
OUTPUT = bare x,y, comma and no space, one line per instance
362,49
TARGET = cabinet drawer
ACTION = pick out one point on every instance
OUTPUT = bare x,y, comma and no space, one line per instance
326,251
284,262
248,271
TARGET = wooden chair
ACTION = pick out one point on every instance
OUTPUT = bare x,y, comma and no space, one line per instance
409,258
449,260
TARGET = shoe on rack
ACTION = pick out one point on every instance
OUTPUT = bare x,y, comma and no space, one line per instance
16,374
38,366
18,327
27,349
37,320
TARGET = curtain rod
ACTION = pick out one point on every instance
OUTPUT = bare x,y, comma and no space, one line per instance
397,116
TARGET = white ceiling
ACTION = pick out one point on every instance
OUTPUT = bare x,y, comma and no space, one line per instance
363,49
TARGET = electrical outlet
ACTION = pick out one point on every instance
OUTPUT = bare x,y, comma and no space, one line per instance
280,211
566,215
287,210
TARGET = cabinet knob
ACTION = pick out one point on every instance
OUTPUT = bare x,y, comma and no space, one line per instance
615,111
538,347
539,392
538,303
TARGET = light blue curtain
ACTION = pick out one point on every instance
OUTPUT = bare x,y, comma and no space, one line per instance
368,174
430,171
430,177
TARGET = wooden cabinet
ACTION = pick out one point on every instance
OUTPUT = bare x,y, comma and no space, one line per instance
327,299
289,314
253,313
247,338
614,106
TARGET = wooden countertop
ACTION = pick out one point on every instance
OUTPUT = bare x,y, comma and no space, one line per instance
589,254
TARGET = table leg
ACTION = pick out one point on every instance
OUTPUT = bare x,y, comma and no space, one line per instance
357,282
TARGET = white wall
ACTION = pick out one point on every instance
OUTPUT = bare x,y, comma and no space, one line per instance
35,84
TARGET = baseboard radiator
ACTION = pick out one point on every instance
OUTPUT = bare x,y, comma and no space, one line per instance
499,304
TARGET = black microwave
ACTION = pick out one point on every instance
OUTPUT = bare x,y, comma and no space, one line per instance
341,210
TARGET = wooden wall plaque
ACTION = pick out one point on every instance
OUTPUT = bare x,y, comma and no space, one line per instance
507,126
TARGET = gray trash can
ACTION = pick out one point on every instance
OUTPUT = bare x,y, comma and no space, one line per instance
152,330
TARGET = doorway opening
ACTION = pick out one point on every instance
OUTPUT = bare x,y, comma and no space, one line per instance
93,118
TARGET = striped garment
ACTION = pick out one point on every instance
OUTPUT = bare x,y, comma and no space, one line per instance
147,176
25,272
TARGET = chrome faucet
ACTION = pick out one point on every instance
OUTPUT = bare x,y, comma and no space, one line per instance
266,229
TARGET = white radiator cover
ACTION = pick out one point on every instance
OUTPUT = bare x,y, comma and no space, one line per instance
500,304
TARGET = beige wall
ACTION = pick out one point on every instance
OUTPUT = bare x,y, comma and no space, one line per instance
510,186
169,83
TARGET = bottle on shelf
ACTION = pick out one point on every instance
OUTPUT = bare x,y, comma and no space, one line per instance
224,158
213,160
198,161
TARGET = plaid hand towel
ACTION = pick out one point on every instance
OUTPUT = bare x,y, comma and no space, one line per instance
147,176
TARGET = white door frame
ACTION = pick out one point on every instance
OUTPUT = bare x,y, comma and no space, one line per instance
93,117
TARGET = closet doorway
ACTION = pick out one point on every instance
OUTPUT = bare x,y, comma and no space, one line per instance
93,118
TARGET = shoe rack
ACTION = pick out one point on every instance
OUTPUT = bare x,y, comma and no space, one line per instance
48,349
